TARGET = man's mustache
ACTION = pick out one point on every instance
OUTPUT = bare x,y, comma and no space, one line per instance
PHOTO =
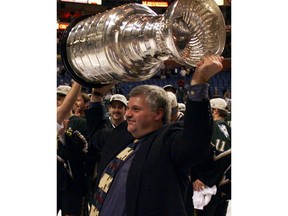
116,113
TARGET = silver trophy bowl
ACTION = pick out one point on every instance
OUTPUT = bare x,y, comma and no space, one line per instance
131,42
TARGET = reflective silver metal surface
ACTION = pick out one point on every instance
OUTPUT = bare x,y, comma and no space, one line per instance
131,42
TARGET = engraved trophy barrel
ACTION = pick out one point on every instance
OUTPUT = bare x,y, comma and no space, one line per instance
131,42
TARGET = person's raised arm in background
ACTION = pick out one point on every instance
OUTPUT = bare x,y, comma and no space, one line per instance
64,108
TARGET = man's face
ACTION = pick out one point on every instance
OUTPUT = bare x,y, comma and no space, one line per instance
214,113
80,104
60,99
117,110
140,118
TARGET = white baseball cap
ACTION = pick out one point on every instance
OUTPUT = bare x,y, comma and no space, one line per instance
63,89
170,87
219,103
119,97
181,107
172,99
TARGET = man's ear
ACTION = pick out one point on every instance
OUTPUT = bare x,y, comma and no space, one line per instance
159,114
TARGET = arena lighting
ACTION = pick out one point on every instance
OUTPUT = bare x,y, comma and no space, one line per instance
131,42
97,2
62,25
155,3
76,1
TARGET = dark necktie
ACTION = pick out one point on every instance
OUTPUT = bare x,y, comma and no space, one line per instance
107,178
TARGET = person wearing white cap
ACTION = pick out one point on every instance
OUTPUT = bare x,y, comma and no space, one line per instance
72,145
217,171
220,104
176,115
66,97
116,108
221,136
170,88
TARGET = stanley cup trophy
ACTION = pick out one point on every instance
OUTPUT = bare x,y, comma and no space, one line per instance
131,42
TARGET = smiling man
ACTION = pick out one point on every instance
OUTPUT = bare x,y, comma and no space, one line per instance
116,108
150,176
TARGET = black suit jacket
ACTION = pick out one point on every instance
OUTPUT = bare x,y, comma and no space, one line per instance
157,178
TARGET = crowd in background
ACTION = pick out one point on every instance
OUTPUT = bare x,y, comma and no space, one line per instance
209,188
177,76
